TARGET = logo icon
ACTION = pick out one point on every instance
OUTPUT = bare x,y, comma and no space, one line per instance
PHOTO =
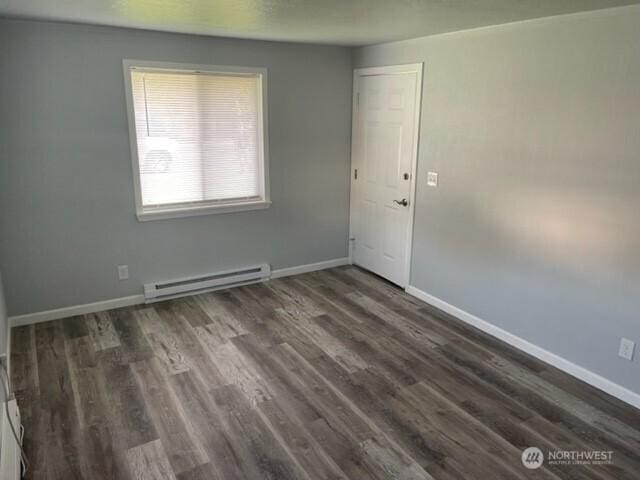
532,458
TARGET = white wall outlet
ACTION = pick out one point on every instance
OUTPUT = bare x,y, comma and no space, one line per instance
626,348
432,179
123,272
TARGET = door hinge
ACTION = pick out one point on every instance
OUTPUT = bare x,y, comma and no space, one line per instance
358,99
355,174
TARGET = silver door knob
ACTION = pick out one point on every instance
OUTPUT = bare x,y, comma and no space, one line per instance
402,202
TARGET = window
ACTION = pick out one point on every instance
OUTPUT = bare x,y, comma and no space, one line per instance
197,138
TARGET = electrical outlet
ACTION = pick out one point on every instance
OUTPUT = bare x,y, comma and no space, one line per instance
432,179
626,348
123,272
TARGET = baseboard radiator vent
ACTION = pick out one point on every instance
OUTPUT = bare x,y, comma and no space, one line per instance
155,292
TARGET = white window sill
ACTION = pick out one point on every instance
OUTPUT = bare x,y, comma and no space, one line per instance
191,210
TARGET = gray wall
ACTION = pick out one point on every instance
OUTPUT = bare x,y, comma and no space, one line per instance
534,128
67,216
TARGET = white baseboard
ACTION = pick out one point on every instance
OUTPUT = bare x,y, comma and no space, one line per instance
540,353
65,312
310,267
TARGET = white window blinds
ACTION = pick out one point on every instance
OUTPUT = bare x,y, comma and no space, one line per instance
199,138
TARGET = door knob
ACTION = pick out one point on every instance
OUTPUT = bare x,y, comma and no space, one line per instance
402,202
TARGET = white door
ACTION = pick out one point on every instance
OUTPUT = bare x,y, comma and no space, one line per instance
384,150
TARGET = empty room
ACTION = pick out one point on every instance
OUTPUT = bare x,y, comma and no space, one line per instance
319,239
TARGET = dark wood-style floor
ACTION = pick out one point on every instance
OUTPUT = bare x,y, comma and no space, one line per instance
328,375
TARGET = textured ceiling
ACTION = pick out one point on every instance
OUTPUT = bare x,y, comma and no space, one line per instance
344,22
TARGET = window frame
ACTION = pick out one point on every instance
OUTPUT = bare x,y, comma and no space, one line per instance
188,209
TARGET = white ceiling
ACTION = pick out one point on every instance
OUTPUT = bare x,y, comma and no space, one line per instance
345,22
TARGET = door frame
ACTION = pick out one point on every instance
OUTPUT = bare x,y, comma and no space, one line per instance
416,68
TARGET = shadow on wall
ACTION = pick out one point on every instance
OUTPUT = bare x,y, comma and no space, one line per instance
572,230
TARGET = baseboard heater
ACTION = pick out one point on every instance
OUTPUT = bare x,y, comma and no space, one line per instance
155,292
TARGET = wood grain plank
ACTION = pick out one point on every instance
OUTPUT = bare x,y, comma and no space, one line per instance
291,300
134,346
285,388
127,416
97,459
201,472
149,462
235,368
223,325
322,396
24,362
192,352
205,425
166,346
258,452
57,406
183,450
83,375
101,331
189,309
386,461
299,444
75,327
347,358
54,380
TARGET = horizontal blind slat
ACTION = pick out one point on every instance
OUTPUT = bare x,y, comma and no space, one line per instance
197,137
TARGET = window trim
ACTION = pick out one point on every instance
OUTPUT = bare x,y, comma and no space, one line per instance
199,208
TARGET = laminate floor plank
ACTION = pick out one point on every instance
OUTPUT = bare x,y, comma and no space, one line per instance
193,355
182,449
287,391
101,330
205,423
322,396
60,426
258,452
24,363
134,345
332,346
223,324
126,413
330,375
166,345
299,443
236,369
149,462
83,374
97,459
75,327
253,315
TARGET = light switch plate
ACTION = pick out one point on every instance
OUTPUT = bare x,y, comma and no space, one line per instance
626,348
432,179
123,272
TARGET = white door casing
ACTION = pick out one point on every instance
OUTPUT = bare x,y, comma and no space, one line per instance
386,114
